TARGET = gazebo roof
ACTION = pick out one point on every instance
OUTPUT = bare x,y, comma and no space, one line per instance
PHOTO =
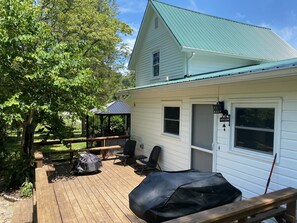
118,107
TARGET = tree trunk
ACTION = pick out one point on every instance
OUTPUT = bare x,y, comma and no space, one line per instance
28,138
28,134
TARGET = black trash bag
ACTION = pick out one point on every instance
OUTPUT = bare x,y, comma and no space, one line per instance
88,163
162,196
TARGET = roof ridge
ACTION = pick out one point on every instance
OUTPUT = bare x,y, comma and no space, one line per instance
213,16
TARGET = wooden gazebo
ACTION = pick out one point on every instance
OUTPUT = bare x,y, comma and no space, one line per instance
104,126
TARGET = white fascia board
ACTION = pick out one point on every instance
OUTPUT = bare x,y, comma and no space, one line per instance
285,72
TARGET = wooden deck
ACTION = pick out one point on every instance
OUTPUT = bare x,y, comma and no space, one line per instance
102,197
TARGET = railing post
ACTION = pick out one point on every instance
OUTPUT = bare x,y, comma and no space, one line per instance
291,212
39,159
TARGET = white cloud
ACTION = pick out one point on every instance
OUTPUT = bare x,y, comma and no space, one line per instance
289,34
130,43
239,16
266,25
131,6
130,40
193,5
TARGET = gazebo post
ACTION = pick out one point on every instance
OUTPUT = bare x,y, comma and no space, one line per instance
108,122
101,124
128,118
87,130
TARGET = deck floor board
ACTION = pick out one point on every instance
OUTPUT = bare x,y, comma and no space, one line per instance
101,197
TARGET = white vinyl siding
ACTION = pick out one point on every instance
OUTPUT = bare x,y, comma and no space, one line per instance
248,173
203,63
147,129
172,59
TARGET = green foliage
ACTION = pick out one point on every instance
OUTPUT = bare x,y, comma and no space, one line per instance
57,56
55,127
18,168
26,189
8,151
117,124
129,80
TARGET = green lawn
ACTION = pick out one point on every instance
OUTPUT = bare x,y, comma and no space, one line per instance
61,147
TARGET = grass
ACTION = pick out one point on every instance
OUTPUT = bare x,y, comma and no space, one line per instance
14,145
61,147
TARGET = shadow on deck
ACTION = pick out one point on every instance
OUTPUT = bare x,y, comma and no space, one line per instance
101,197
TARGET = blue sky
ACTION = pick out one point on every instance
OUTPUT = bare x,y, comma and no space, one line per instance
279,15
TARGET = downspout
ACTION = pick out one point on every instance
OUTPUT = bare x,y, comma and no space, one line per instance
188,63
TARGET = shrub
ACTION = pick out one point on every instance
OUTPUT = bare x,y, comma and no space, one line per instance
18,169
26,189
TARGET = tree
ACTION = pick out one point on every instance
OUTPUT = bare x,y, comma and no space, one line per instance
129,80
56,56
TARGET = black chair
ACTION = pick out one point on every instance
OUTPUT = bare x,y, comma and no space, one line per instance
128,152
152,162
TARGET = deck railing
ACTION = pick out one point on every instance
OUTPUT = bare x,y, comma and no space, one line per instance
279,204
105,145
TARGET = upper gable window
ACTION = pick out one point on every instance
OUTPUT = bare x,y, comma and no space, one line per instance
156,22
156,64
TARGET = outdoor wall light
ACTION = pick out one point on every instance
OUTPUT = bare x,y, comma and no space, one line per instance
225,118
218,107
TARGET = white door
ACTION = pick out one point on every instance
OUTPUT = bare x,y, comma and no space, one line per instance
202,140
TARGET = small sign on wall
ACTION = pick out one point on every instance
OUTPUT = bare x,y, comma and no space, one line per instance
225,118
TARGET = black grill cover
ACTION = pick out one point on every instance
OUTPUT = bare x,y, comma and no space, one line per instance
166,195
88,163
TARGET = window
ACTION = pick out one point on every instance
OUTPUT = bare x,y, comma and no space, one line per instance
156,23
255,129
171,120
156,64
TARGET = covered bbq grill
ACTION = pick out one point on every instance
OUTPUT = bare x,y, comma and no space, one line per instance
88,163
163,196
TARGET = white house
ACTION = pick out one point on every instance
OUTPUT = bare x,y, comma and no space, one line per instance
186,62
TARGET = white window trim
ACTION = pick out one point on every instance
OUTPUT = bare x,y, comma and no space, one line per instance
152,67
171,104
258,103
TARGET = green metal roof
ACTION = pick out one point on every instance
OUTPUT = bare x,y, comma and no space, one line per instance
279,65
197,31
